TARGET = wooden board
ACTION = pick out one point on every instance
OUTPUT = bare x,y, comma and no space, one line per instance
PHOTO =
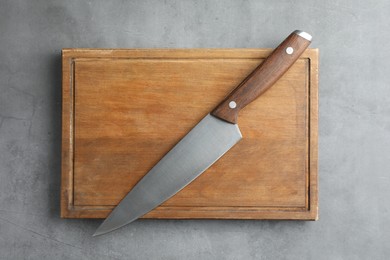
124,109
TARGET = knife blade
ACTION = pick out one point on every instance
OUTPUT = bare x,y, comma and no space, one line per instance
210,139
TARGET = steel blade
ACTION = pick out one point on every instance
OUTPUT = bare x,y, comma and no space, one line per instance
197,151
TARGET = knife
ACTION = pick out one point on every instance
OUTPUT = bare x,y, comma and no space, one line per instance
210,139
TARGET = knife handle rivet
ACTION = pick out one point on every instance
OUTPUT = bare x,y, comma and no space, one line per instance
289,50
232,104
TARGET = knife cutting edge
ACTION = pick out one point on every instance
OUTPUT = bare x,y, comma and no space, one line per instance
209,140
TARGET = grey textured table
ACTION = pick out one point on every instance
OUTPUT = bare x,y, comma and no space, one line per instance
354,152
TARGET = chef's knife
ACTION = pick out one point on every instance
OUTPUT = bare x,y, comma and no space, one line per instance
211,138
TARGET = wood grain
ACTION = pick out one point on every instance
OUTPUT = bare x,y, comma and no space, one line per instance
124,109
262,78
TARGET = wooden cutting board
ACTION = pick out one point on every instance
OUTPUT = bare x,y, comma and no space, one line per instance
124,109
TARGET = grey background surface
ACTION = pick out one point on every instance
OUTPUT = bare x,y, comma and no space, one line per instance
354,132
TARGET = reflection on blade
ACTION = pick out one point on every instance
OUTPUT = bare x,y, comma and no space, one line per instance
196,152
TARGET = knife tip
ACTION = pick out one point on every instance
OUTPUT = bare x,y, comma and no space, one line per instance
106,227
97,233
101,230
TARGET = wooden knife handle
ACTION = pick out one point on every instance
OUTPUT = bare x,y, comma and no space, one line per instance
263,77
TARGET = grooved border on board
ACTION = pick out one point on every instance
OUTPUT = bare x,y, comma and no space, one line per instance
69,210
